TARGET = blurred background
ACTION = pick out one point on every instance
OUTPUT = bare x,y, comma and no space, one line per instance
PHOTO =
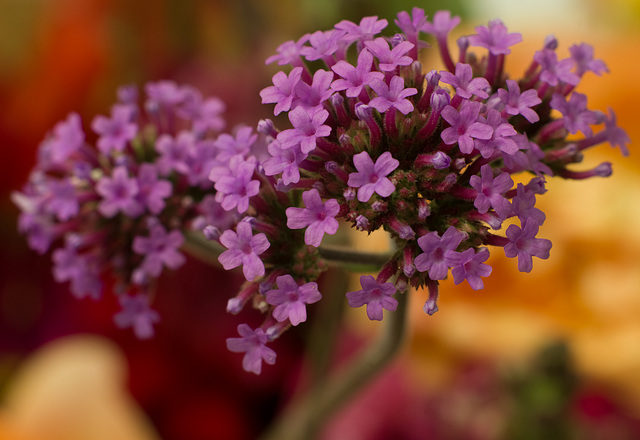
550,354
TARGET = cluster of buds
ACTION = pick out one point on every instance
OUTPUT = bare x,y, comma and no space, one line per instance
119,208
377,142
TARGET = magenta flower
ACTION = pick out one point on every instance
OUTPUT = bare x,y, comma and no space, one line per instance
289,52
62,200
119,194
442,24
465,84
355,78
285,161
317,217
495,38
136,313
307,127
282,90
554,71
174,152
253,344
582,56
116,131
311,96
434,249
234,183
151,190
524,244
204,114
501,138
390,59
160,249
365,31
516,103
243,250
290,299
376,297
464,126
323,44
229,145
522,205
469,265
372,177
491,191
576,115
394,95
67,138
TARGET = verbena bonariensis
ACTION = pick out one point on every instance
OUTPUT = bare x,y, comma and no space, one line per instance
374,141
377,141
120,207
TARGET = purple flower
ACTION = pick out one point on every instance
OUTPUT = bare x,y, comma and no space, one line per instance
469,265
282,90
442,24
552,70
228,145
491,190
516,103
136,313
116,131
524,245
119,193
372,177
376,296
323,44
495,38
290,299
465,84
174,153
234,183
368,27
67,138
152,191
79,269
160,249
582,56
390,59
412,24
253,344
355,78
289,52
434,249
318,216
204,114
285,161
616,136
523,205
201,160
164,94
312,96
243,249
501,138
464,126
394,95
62,200
307,127
576,115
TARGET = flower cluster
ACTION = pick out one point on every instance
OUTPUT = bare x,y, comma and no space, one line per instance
121,207
373,141
429,156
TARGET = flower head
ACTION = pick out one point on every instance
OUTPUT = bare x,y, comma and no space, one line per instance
376,296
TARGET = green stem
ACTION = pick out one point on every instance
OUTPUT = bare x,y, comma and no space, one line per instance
342,255
305,416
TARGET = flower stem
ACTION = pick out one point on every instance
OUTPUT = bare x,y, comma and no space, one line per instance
343,255
305,416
